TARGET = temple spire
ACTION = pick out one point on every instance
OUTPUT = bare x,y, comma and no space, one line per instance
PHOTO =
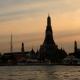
11,43
49,33
49,48
49,20
75,46
22,48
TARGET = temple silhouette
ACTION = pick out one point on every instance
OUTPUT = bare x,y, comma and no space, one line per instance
48,53
49,50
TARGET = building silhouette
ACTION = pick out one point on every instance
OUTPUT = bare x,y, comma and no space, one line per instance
22,48
75,47
76,50
49,50
74,57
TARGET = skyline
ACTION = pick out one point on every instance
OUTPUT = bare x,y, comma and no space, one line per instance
28,18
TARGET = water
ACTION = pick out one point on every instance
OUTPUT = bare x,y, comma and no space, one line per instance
39,73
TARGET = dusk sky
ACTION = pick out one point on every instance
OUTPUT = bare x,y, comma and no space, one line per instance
26,20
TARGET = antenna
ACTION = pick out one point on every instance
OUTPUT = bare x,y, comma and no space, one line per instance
11,43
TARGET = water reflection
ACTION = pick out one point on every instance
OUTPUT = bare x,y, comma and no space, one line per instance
40,73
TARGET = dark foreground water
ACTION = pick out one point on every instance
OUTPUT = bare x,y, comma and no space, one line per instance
40,73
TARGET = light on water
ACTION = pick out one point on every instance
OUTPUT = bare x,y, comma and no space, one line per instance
40,73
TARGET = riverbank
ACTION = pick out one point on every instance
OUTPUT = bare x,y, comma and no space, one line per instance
41,64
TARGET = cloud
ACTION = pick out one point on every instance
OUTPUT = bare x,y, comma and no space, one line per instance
11,9
19,14
8,3
13,13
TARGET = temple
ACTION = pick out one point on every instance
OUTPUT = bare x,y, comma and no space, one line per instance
49,50
49,53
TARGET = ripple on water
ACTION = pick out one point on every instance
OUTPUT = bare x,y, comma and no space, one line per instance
40,73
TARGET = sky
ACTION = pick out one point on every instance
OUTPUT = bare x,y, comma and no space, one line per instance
26,20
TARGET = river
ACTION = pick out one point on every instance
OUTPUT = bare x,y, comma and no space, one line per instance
39,72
